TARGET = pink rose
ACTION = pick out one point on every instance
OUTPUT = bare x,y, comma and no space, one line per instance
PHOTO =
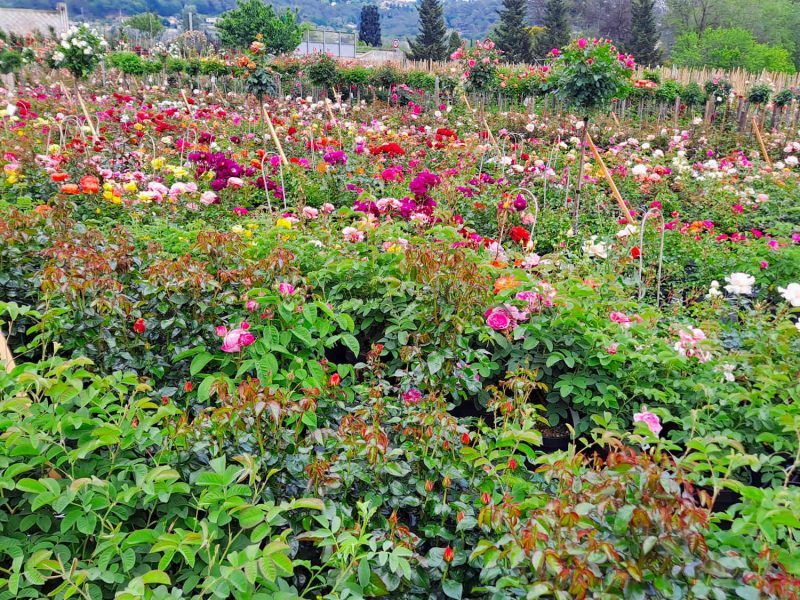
652,421
310,212
236,340
582,43
498,318
251,305
285,289
209,198
221,330
235,182
327,208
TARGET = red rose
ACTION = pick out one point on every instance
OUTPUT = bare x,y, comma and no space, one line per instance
335,380
520,235
449,555
465,439
188,386
636,252
139,326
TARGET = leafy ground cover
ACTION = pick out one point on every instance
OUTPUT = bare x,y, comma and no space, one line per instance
423,358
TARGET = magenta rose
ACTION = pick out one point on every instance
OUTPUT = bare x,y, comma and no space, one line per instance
285,289
498,318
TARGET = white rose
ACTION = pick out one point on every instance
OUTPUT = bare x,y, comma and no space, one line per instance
740,284
791,293
595,249
639,170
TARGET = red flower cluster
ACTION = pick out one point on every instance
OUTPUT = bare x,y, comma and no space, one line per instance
520,235
389,148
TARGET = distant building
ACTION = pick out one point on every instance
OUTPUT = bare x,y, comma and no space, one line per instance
22,21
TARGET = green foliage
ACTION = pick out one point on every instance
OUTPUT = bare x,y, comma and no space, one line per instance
369,25
280,32
588,75
148,23
729,49
692,94
322,72
784,97
643,41
79,51
669,90
10,60
557,31
759,93
431,41
511,34
129,63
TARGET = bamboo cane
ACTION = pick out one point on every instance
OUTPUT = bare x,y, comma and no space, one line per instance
622,206
757,131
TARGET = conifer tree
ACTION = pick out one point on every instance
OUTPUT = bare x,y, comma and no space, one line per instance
431,41
369,25
511,34
454,42
557,29
643,43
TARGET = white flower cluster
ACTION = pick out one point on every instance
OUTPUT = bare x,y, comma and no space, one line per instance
78,40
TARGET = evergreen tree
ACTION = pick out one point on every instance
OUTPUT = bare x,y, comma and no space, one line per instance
511,34
369,25
643,42
557,29
431,41
454,42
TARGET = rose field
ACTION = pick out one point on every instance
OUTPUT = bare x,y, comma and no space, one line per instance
380,339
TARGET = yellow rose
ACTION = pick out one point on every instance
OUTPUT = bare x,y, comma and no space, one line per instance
285,223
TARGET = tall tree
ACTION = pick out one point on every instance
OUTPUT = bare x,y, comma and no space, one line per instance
643,42
511,34
369,25
557,29
148,23
431,41
239,27
453,42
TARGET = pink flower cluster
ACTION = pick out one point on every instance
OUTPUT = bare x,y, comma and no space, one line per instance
235,339
651,420
623,319
508,316
690,345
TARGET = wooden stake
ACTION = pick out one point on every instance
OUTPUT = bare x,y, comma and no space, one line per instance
86,114
464,95
186,101
757,131
5,354
622,206
275,137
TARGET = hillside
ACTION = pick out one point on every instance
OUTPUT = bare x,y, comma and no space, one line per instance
471,18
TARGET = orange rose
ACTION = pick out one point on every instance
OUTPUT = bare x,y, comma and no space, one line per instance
505,283
70,188
59,176
90,184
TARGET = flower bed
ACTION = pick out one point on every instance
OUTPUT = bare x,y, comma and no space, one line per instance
334,376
